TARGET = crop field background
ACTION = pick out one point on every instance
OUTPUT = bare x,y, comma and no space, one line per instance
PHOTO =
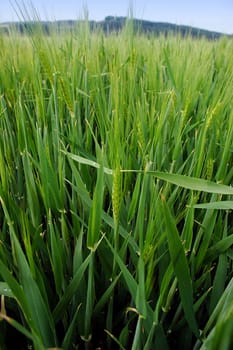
116,173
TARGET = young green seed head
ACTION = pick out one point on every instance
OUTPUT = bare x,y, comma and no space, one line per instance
116,194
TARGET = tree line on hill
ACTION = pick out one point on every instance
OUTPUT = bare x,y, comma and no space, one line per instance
116,24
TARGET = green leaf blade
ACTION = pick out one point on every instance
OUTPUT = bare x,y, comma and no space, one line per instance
181,268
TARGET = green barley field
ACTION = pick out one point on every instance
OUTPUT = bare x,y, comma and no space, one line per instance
116,173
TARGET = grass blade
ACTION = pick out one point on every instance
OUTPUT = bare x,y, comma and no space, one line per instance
181,269
39,312
221,205
70,290
94,224
193,183
5,290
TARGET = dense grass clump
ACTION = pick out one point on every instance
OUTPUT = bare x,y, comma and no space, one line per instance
116,166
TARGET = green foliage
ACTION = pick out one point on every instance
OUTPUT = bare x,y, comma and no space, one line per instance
116,174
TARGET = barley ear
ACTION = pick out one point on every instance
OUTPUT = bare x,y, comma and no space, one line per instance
116,194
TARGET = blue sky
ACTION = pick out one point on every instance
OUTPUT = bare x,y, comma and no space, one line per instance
208,14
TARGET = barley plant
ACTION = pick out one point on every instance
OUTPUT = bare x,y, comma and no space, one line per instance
116,173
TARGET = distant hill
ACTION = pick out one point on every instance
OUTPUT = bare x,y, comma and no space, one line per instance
111,23
116,24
